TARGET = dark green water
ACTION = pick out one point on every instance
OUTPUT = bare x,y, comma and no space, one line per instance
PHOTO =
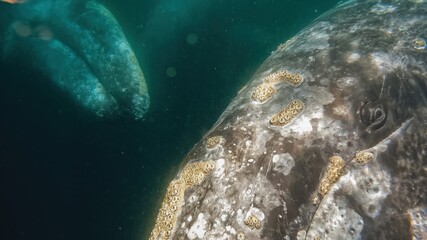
65,174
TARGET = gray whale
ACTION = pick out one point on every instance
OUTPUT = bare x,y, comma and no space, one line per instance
82,48
328,140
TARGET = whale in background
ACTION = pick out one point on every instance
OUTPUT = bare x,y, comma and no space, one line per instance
81,46
328,140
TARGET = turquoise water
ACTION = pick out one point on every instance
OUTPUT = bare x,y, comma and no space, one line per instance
65,174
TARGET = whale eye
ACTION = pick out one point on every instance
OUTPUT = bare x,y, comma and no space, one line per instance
373,115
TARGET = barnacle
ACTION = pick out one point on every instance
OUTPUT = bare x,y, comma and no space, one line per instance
332,174
212,142
263,92
192,175
266,90
240,236
364,157
253,222
419,43
287,114
293,78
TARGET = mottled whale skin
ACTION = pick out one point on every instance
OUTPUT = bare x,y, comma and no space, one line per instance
328,140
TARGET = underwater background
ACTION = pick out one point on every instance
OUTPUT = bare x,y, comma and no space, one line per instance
67,174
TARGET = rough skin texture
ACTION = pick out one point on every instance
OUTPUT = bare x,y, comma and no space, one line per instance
351,164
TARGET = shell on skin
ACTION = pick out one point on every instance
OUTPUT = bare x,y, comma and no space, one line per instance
352,164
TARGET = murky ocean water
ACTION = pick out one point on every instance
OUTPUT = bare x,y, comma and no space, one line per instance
66,174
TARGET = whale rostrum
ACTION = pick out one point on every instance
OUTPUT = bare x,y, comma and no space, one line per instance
328,140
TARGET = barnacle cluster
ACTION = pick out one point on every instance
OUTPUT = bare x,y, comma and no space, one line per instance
364,157
192,175
332,174
263,92
212,142
195,173
266,90
287,114
293,78
253,222
419,43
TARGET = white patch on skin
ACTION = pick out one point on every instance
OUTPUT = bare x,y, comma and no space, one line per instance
283,163
382,8
346,82
335,220
198,229
341,110
231,230
368,186
324,81
384,62
302,125
301,235
315,98
261,137
219,169
240,217
256,212
316,38
353,57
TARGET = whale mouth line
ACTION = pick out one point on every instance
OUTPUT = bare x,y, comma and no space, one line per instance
380,146
383,143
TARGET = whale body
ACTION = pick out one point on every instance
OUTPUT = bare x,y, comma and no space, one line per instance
82,48
328,140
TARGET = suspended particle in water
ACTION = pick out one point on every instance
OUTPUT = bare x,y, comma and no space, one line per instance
171,72
192,38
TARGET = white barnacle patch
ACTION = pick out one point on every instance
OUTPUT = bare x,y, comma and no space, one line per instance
198,229
283,163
